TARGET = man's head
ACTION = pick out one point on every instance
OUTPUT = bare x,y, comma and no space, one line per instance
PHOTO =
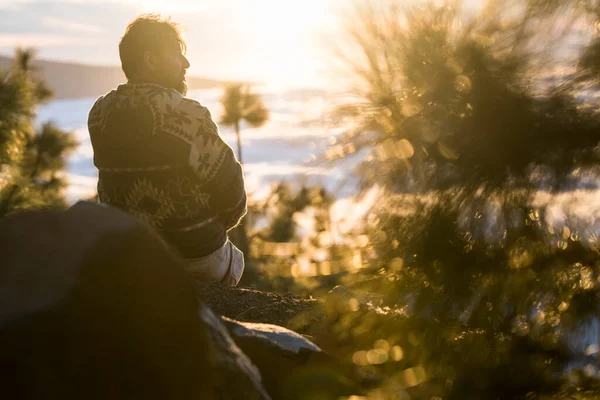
152,50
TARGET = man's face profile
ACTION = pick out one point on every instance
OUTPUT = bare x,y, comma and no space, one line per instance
168,67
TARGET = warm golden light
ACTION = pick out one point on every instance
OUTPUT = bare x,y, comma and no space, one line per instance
280,42
289,34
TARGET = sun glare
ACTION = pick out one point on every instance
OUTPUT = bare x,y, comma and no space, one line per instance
289,31
278,40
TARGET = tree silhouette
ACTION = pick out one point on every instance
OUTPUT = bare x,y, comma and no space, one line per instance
240,104
30,161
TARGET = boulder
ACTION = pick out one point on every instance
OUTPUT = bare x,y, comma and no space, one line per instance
94,305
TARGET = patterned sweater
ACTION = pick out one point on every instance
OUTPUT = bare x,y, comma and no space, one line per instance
161,159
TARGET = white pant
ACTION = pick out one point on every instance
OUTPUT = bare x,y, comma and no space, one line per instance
225,265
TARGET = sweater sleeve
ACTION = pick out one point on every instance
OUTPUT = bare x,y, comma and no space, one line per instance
216,167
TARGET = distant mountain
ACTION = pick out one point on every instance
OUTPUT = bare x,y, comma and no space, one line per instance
72,80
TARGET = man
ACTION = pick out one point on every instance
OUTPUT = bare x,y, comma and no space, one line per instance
160,156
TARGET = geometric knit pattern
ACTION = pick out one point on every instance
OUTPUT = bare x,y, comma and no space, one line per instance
160,158
149,203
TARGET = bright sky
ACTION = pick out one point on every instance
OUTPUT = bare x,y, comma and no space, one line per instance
279,42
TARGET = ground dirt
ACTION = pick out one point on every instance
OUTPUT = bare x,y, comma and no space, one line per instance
251,305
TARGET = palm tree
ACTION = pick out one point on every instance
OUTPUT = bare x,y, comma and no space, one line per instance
240,104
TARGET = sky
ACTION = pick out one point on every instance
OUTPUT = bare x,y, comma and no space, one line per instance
279,42
283,43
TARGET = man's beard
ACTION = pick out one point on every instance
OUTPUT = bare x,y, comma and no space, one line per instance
182,86
178,84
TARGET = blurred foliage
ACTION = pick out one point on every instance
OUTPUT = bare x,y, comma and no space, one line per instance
453,99
30,161
498,316
241,104
466,286
292,243
468,115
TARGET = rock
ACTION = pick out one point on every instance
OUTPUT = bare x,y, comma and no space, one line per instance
292,366
94,305
234,372
271,335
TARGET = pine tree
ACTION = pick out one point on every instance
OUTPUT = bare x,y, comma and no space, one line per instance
453,110
30,161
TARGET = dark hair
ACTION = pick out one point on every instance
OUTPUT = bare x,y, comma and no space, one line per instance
146,32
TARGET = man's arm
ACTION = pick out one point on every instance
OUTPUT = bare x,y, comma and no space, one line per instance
228,198
215,164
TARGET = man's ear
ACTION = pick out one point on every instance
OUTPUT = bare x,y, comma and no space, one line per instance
149,60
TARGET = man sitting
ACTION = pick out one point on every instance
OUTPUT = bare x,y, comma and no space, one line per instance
160,156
